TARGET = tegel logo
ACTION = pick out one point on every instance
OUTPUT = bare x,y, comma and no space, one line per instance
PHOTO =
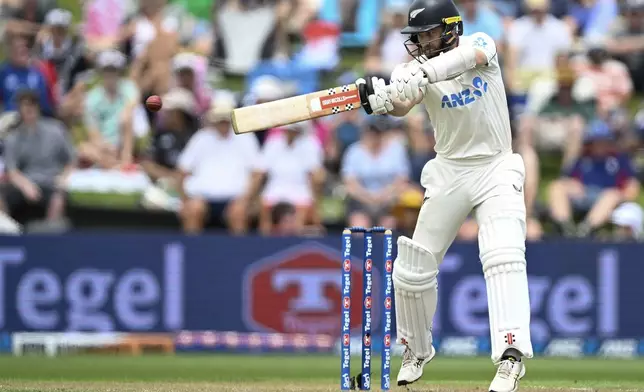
299,291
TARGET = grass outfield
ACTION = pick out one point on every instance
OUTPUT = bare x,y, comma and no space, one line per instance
188,373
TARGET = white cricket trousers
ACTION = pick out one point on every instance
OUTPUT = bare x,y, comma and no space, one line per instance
491,187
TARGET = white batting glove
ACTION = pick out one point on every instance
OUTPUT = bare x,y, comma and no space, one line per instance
407,82
374,94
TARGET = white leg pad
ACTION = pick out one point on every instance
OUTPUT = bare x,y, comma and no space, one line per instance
415,288
502,252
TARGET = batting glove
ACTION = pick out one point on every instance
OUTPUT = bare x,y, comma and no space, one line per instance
408,82
374,94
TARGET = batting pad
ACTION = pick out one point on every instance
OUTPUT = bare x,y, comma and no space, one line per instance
414,278
502,248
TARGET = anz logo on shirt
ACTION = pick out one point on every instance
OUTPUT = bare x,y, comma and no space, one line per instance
466,96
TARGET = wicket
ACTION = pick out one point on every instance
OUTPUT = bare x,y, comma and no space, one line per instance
364,378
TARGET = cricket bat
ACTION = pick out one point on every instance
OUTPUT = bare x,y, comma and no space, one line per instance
295,109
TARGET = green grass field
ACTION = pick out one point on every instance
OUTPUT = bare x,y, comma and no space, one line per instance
188,373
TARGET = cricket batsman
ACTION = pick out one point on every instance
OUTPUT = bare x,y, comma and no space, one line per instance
458,79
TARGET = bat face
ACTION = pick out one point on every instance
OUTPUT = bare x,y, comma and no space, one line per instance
295,109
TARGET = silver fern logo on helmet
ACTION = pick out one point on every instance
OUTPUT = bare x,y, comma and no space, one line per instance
415,13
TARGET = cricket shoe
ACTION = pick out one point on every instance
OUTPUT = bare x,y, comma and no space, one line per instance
507,376
412,366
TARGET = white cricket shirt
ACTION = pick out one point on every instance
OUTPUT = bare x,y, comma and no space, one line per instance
470,113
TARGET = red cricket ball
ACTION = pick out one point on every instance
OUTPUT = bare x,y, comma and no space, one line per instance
154,103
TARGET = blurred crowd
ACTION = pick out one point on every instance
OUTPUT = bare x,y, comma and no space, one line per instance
75,77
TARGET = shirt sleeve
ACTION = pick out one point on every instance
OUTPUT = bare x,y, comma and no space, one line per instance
315,156
9,154
253,152
403,167
130,91
190,155
350,163
67,155
88,114
45,98
571,171
261,163
515,33
565,40
485,44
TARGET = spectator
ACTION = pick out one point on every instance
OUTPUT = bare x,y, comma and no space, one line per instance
284,220
479,17
154,41
103,20
27,16
388,49
110,115
168,141
285,223
291,163
420,148
593,18
18,73
610,77
406,211
628,221
151,23
38,158
185,70
238,52
375,170
523,63
63,50
594,185
265,89
626,40
216,168
557,113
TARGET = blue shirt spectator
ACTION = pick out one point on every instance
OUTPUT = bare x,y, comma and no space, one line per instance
479,18
602,166
603,172
375,171
595,20
18,74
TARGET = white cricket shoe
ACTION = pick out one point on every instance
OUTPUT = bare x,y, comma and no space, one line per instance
507,376
412,366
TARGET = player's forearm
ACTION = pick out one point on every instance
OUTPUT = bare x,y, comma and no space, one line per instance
453,63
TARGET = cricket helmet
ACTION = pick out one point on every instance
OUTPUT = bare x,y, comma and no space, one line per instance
427,15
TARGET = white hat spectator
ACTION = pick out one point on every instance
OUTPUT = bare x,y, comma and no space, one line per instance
184,61
179,98
630,215
267,88
221,110
111,59
58,17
